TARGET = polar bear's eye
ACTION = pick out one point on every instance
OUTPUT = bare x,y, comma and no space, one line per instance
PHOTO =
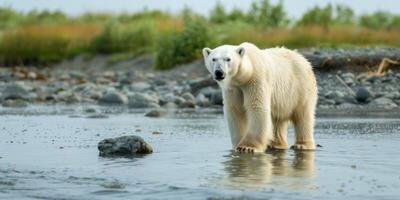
228,59
214,59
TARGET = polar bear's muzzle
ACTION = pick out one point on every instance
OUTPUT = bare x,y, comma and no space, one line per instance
219,75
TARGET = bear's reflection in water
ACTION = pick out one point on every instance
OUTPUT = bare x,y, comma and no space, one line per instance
257,170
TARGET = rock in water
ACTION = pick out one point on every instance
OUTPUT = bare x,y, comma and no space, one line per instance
124,146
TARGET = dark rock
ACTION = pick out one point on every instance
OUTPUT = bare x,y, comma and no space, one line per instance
158,112
363,95
216,98
124,146
113,98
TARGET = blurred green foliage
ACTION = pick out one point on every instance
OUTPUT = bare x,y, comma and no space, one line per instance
46,36
119,38
176,48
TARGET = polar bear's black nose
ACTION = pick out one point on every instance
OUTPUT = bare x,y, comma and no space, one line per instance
219,75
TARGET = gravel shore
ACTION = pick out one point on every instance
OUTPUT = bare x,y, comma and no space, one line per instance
134,84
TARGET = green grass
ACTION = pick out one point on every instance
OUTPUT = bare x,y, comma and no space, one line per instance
44,37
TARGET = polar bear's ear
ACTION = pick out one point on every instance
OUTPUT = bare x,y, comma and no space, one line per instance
206,52
240,51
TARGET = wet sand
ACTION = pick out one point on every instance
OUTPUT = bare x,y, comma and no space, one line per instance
55,156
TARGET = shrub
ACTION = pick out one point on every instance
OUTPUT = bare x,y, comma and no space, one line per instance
39,43
180,47
117,38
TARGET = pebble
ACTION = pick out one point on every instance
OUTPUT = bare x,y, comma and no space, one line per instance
157,112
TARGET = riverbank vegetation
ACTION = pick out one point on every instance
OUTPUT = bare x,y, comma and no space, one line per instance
40,37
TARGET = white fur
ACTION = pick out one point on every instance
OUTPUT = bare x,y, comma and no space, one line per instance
263,90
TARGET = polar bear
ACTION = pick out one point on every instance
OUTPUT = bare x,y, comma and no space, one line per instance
264,89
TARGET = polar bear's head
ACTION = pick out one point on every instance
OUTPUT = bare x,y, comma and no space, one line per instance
224,61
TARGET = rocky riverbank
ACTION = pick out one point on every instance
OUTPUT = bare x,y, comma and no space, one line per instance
134,84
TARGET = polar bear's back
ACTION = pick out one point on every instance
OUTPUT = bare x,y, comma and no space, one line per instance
293,80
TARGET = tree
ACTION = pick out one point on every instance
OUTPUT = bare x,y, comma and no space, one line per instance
267,15
218,14
317,16
236,14
344,15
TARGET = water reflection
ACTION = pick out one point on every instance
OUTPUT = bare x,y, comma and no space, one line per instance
257,170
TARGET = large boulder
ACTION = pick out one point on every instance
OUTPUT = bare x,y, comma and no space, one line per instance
124,146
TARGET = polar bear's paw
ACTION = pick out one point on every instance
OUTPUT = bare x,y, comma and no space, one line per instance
245,149
303,147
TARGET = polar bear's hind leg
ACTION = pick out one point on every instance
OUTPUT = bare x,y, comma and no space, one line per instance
280,135
303,121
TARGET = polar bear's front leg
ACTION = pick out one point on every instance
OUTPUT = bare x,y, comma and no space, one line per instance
235,114
259,132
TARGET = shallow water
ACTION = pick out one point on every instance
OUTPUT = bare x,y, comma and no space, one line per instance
56,157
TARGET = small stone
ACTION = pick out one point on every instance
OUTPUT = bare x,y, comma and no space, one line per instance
202,100
113,98
124,146
140,86
139,100
170,106
16,103
188,104
335,95
113,185
158,112
188,96
97,116
90,110
32,75
383,102
353,166
156,133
